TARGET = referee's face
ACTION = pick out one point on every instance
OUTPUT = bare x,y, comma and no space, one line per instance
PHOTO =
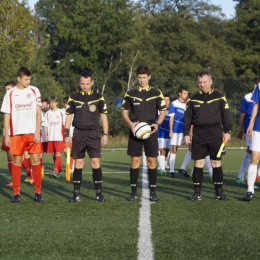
205,83
143,80
86,84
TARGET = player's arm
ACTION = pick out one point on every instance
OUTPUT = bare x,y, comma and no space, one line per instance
68,122
171,126
104,123
156,125
249,130
7,118
188,127
45,133
128,121
37,135
241,124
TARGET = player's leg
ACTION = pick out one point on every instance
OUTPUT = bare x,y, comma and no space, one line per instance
26,164
252,169
209,166
172,160
161,158
151,151
185,162
167,155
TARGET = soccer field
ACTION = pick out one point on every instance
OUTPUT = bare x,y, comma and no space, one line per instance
179,228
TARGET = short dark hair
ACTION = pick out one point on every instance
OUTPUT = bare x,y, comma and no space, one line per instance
86,74
53,98
143,69
23,71
256,80
166,95
12,83
203,73
65,100
46,100
181,88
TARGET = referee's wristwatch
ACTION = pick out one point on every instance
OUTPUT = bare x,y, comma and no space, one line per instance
105,134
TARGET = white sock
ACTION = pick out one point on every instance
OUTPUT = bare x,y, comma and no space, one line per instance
172,162
144,161
162,162
186,160
252,171
245,164
208,165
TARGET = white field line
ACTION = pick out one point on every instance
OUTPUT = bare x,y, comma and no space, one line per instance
145,245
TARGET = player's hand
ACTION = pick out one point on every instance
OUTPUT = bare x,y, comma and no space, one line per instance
46,138
7,141
37,137
249,131
132,127
227,137
171,134
154,128
67,141
104,140
240,134
187,139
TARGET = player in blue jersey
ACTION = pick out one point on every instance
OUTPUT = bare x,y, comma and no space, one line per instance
164,140
245,115
176,113
253,131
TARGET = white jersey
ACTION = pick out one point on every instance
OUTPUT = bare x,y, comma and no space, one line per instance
42,127
21,104
55,121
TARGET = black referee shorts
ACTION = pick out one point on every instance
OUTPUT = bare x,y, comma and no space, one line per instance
86,140
135,145
206,141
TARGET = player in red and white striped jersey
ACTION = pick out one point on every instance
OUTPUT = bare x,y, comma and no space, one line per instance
22,120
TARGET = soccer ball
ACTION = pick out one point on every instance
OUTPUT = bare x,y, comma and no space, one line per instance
142,130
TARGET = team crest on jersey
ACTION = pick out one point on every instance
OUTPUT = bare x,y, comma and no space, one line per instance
28,95
92,108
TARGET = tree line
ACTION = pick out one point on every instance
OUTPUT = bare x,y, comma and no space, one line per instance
175,38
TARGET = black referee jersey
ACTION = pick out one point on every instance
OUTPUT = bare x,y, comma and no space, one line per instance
208,109
86,108
143,104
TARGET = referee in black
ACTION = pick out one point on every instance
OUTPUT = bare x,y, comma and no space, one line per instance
87,107
143,102
208,111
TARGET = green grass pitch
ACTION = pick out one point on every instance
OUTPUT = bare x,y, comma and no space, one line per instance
181,229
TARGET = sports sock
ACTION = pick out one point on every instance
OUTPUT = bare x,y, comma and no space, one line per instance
97,179
197,178
134,174
208,165
10,163
218,179
16,178
152,174
172,161
37,177
26,165
245,164
252,171
161,159
186,160
77,178
57,164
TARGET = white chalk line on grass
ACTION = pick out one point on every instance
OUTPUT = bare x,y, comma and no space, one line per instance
145,245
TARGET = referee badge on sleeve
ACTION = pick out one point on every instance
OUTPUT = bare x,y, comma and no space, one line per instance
92,108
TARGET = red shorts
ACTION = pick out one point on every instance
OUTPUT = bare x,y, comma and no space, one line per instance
44,146
4,147
55,147
21,143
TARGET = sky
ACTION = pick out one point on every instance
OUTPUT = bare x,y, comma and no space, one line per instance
226,5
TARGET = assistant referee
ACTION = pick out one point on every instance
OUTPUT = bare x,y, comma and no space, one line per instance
87,107
143,102
208,111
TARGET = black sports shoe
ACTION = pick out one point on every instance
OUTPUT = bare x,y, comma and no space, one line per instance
132,197
153,196
75,198
172,174
221,196
248,196
16,198
38,197
184,173
195,196
100,197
